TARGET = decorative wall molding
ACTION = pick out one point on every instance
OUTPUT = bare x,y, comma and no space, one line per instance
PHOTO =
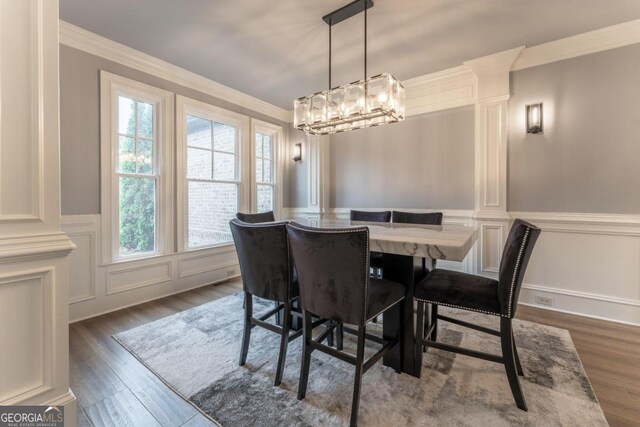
606,38
450,216
582,219
33,250
98,288
586,263
138,275
596,306
83,230
31,376
455,87
78,38
199,263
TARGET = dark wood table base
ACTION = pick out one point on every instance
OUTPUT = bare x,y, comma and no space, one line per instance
399,321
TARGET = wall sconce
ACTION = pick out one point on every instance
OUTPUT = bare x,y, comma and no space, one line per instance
534,118
297,152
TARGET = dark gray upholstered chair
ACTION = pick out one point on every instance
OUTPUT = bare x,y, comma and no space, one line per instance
267,272
382,216
333,272
254,218
367,216
482,295
429,218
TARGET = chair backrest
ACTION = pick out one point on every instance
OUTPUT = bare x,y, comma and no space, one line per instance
264,256
333,271
430,218
254,218
515,257
383,216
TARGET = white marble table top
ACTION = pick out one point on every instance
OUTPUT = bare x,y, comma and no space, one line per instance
450,242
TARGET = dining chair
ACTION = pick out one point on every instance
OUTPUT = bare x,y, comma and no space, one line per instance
254,218
369,216
267,272
333,272
482,295
428,218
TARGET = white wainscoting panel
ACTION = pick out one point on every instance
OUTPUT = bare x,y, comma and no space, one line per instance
26,300
83,230
492,236
585,264
199,263
138,275
100,288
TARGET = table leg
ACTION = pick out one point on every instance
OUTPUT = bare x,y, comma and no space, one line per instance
400,321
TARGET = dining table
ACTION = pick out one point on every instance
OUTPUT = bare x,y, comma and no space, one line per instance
400,244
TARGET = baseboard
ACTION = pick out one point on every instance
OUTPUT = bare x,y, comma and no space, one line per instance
601,307
153,298
70,403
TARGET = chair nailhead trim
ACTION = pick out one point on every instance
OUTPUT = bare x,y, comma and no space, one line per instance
516,270
460,307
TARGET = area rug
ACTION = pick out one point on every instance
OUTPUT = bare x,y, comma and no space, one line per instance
195,352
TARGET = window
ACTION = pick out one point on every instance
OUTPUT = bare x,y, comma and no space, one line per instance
211,173
266,170
135,159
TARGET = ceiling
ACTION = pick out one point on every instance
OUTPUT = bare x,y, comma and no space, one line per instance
277,50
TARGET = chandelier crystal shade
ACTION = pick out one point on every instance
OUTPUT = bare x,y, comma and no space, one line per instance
376,101
370,102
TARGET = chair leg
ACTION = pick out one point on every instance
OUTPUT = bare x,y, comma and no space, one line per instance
506,339
419,335
515,353
284,341
339,336
433,320
246,333
330,336
355,404
306,356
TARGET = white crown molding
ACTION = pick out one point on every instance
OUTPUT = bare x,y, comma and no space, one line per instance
441,90
497,62
78,38
582,44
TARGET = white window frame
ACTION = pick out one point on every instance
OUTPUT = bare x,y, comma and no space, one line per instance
278,143
187,106
111,87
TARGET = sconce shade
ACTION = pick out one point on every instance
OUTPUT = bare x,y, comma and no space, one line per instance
534,118
297,152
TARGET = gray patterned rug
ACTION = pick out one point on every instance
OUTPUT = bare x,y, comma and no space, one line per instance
196,353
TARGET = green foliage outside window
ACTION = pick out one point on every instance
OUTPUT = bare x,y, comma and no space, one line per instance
137,194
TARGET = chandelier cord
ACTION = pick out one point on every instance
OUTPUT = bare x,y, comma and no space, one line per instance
364,2
330,55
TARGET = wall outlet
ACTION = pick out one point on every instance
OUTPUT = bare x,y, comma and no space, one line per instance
548,301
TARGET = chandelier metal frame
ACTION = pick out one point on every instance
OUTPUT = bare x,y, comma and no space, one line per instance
364,103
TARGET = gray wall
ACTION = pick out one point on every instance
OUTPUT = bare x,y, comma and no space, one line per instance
80,123
427,161
588,159
296,193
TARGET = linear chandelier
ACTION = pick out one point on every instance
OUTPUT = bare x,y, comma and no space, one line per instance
369,102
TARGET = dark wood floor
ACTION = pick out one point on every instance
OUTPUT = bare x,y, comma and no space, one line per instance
115,389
